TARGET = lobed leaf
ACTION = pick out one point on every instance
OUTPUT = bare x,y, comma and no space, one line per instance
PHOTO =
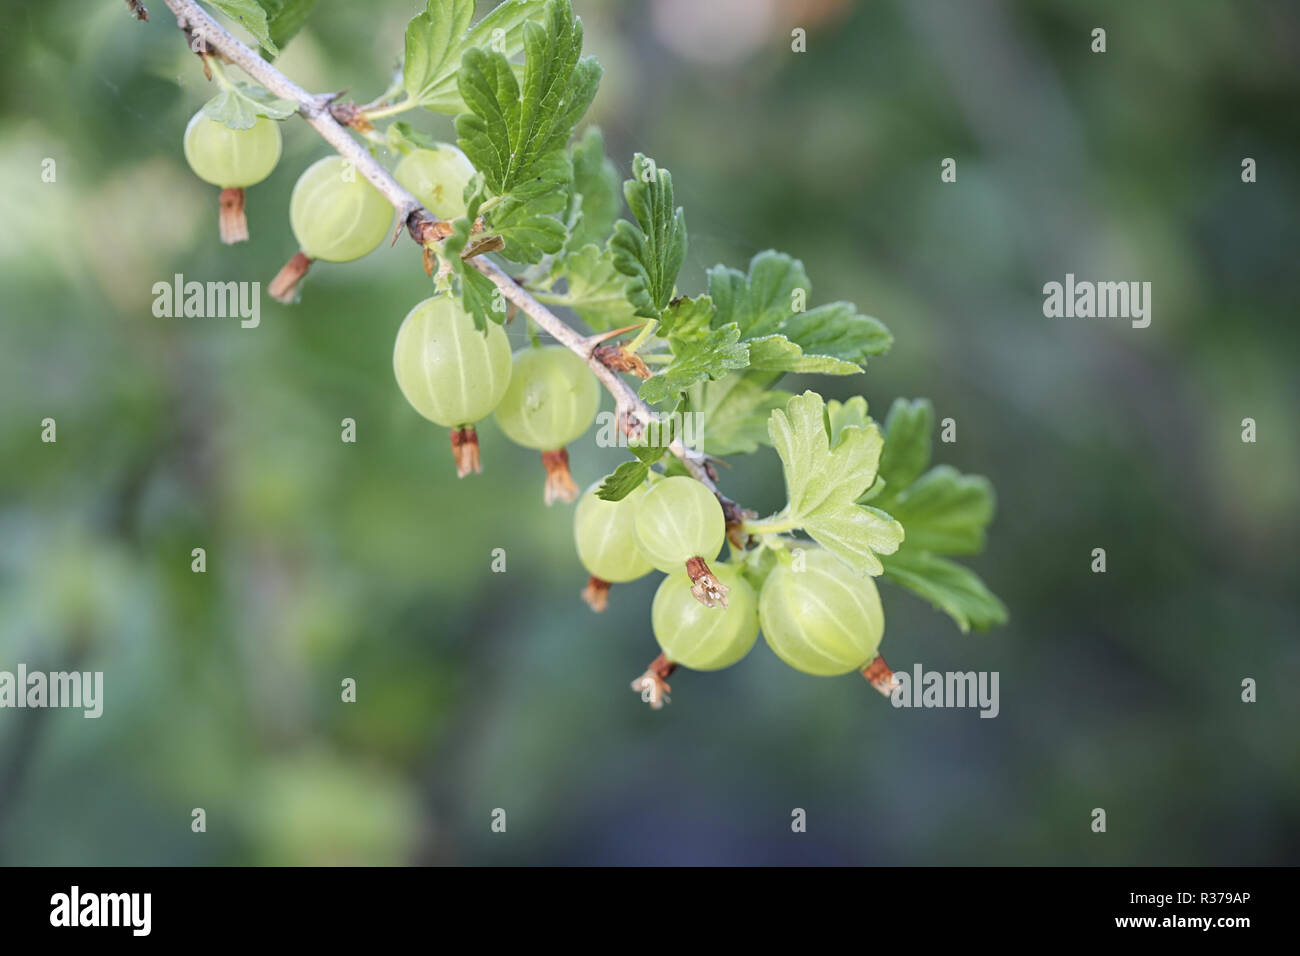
951,588
650,252
823,483
239,106
438,38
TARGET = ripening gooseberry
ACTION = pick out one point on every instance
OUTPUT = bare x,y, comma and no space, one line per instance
336,215
233,159
552,399
825,619
605,533
680,522
702,638
437,177
450,372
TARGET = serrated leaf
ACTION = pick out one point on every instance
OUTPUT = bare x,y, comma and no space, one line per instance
769,305
652,251
699,352
437,38
624,480
597,291
850,414
239,106
511,130
735,410
594,202
284,18
250,15
403,138
823,482
907,442
478,293
950,587
945,511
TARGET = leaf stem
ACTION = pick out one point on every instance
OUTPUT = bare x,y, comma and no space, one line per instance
645,333
778,523
392,109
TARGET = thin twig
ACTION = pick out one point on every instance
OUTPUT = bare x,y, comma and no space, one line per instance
422,225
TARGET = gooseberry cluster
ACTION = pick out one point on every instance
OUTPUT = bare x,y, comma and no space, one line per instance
517,185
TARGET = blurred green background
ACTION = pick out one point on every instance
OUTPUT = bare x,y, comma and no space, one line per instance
479,690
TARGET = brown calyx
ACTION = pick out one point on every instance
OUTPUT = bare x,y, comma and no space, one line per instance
879,676
559,482
653,684
596,593
349,114
232,221
619,359
464,448
707,589
735,517
284,287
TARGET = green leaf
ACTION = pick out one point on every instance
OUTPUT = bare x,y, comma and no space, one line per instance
626,478
850,414
735,411
478,293
515,135
951,588
907,442
437,39
823,482
945,511
650,253
239,106
511,132
284,18
405,138
768,303
699,352
250,15
594,203
597,291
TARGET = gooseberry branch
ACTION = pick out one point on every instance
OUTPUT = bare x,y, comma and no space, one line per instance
424,227
336,123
